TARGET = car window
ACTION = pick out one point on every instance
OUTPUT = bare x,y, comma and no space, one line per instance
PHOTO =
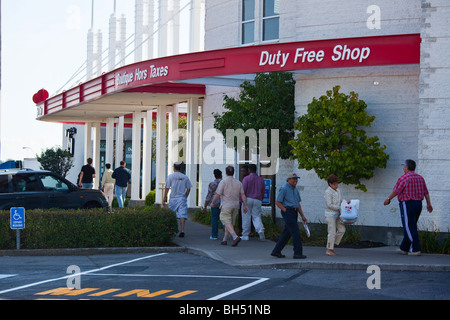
25,183
52,183
4,184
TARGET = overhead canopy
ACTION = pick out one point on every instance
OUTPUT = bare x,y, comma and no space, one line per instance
175,79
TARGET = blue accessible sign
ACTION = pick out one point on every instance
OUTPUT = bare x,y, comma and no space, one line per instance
266,199
17,217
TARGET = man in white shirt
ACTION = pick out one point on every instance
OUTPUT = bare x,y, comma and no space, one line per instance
180,187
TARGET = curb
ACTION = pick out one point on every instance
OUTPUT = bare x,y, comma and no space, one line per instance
88,251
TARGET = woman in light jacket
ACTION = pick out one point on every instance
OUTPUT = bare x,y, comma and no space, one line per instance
336,228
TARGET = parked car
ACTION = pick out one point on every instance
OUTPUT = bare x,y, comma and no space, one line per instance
44,189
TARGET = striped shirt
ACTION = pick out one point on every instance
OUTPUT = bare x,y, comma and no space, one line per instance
410,186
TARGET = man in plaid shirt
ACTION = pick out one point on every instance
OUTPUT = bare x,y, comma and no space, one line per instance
410,190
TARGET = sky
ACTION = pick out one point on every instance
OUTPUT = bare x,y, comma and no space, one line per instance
43,44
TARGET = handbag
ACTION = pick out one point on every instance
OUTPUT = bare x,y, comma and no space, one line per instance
349,211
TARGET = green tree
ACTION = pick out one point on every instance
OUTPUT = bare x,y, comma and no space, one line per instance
56,160
266,104
330,139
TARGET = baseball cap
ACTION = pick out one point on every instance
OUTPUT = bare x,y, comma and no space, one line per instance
293,176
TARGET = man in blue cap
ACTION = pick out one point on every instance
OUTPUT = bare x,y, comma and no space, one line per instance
288,200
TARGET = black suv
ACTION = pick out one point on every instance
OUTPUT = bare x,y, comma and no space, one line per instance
43,189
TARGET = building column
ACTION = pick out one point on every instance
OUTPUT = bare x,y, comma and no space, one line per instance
172,147
196,43
87,141
147,153
109,154
192,148
119,141
160,152
200,156
96,154
136,157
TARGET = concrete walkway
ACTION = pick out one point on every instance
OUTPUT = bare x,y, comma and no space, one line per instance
255,253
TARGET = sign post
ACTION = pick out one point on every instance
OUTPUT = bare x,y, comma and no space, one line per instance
17,219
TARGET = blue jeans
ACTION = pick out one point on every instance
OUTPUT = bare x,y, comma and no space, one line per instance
121,192
410,211
291,229
87,185
215,213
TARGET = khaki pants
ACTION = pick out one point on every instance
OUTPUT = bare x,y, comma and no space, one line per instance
109,191
334,237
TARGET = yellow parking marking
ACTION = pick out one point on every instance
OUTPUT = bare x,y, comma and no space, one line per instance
56,291
102,293
81,291
140,293
157,293
182,294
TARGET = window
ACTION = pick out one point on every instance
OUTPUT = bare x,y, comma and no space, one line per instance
4,188
248,21
25,183
271,19
52,183
261,17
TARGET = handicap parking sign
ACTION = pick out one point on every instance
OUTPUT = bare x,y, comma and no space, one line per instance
17,218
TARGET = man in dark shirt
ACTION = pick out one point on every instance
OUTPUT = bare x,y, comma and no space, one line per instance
122,176
87,175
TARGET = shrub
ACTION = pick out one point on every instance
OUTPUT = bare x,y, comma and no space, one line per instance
128,227
150,198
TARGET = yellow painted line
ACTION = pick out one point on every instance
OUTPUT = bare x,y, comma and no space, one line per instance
139,292
157,293
55,291
182,294
81,291
101,293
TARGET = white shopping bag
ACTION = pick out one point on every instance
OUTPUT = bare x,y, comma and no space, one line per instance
349,211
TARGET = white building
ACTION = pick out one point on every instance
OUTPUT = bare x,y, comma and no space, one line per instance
403,76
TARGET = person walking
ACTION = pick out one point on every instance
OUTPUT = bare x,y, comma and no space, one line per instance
288,200
108,184
215,207
254,189
87,175
180,187
122,176
333,199
243,173
230,190
410,190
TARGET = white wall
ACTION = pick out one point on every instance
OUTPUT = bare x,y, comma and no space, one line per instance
411,103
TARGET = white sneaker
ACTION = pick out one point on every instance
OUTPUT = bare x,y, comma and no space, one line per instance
244,238
262,236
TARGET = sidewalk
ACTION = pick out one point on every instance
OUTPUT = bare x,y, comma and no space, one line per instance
256,254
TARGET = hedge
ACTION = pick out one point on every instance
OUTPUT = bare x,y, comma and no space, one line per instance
127,227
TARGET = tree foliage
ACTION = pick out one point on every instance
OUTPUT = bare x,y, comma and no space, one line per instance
56,160
331,139
266,104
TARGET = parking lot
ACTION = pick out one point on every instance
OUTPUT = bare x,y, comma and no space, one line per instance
188,279
124,276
